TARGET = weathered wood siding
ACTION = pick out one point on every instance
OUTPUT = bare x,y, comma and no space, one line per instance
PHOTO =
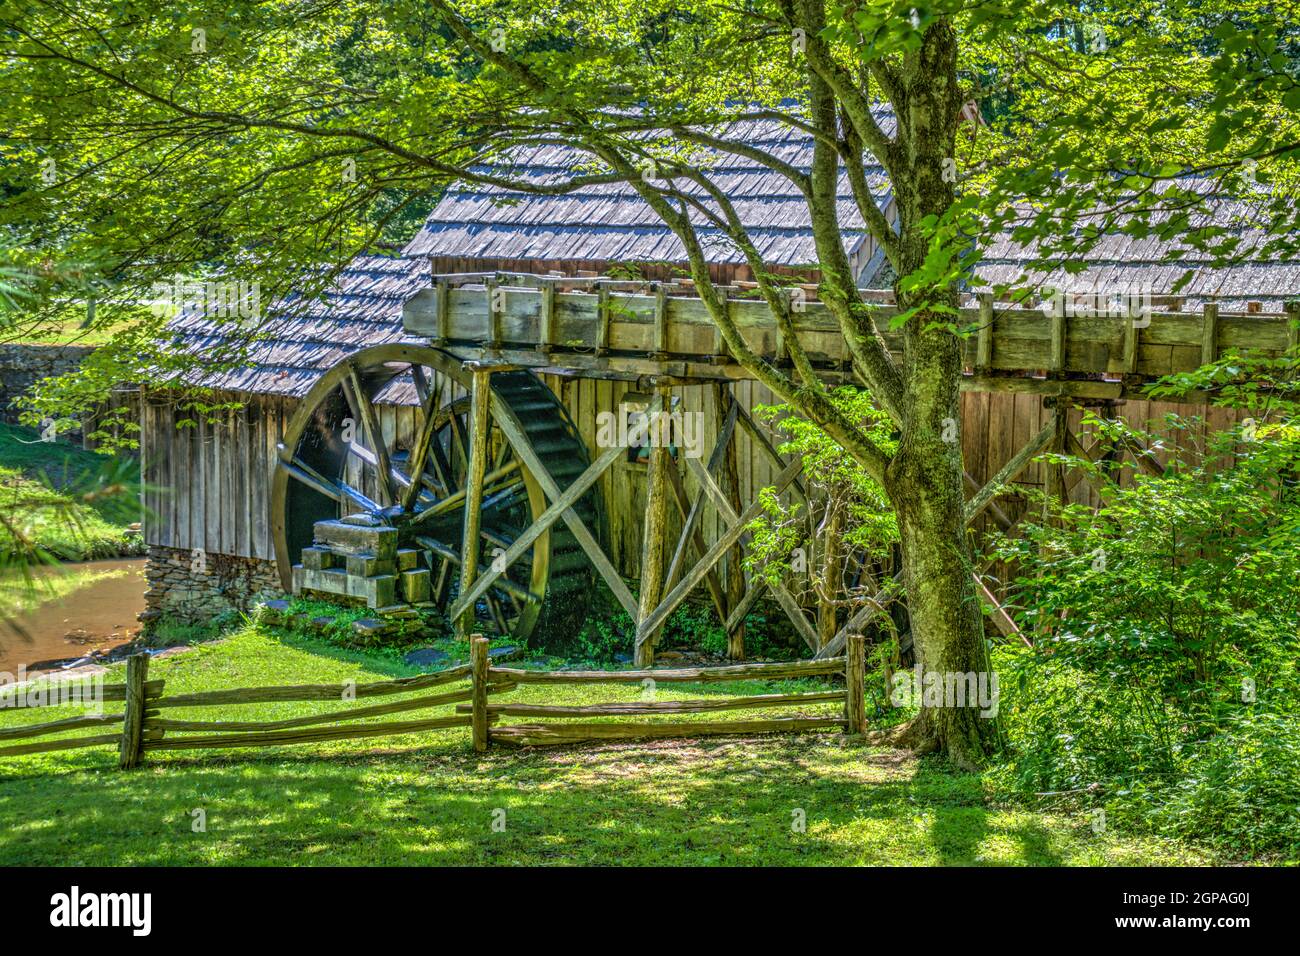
209,482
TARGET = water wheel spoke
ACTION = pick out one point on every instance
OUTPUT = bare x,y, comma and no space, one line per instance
504,495
309,476
461,442
397,475
451,556
421,380
360,500
361,405
498,615
441,582
419,456
491,485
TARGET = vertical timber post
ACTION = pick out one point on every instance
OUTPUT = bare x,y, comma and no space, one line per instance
137,669
478,658
730,482
655,536
832,574
1054,472
855,676
480,392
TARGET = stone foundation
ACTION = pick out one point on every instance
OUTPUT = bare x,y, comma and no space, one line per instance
22,366
188,591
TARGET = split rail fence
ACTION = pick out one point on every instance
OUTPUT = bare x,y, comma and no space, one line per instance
142,726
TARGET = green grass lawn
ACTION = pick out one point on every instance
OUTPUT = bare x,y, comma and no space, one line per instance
429,799
48,490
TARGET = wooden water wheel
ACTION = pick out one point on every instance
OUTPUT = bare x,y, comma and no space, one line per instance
344,453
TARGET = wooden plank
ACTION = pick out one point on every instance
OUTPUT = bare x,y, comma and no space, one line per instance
1009,471
677,675
984,335
1209,333
479,720
539,735
509,423
653,543
137,667
536,529
74,743
280,738
634,708
725,541
696,537
855,676
58,726
354,713
732,520
300,692
480,399
56,694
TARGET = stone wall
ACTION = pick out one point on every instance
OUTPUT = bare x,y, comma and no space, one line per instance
22,366
190,590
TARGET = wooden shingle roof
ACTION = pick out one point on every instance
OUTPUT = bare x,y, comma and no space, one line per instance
611,223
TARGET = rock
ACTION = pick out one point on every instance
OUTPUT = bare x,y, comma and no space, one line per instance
669,655
321,622
623,657
426,657
369,627
503,653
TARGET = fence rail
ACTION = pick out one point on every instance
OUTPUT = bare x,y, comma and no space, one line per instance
144,729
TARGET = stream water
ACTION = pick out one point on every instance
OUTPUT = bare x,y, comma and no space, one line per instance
97,615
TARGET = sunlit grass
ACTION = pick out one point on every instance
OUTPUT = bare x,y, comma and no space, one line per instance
429,799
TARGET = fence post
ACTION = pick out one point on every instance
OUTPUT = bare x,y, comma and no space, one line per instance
855,675
137,669
478,658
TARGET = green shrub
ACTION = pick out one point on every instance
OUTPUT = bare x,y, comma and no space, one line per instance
1238,791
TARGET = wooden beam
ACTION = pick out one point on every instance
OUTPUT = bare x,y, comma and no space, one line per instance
725,541
984,332
1209,333
535,530
980,500
1056,349
480,394
761,439
543,735
730,518
513,429
638,708
998,514
546,320
1001,619
654,535
855,676
861,618
685,508
364,409
675,675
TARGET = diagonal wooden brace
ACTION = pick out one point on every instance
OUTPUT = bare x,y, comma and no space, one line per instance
513,429
730,518
693,577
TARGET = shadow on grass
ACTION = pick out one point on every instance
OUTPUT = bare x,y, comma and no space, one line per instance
721,802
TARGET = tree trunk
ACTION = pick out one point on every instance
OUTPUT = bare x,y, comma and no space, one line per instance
947,623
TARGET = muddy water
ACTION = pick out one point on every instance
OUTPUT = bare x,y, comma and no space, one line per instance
96,617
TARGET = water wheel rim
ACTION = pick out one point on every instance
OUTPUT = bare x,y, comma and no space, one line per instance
332,384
